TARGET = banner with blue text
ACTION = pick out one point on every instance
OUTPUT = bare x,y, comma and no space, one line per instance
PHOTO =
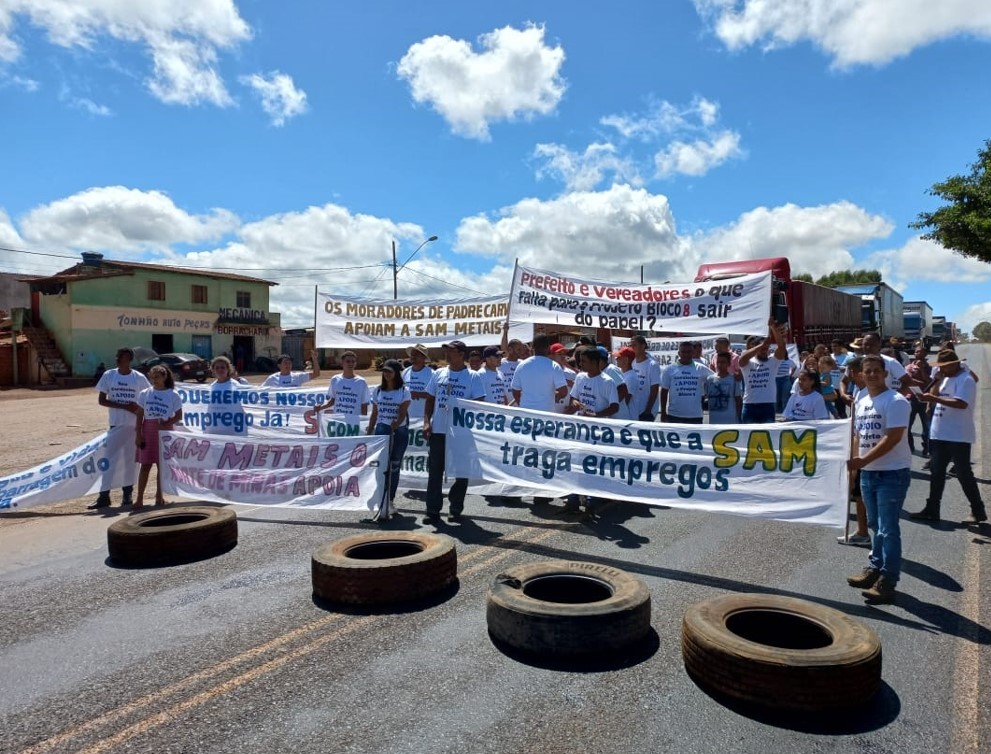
790,472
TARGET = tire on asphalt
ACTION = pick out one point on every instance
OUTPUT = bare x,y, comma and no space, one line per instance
175,534
384,567
568,609
781,652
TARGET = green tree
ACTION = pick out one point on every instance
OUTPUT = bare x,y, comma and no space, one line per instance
963,225
849,277
806,277
982,332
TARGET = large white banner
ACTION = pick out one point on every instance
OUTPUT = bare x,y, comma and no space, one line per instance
249,410
382,323
299,472
739,305
790,472
104,463
665,350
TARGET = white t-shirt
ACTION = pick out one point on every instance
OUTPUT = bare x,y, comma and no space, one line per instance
159,404
388,402
349,394
293,379
537,379
805,407
785,368
630,379
122,388
648,374
508,369
895,372
758,377
495,386
224,418
417,382
594,393
446,385
685,384
873,417
955,424
722,393
569,376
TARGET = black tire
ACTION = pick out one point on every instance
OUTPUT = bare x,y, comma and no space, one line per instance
781,652
384,567
176,534
567,608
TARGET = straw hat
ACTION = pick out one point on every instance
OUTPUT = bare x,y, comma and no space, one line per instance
946,356
419,348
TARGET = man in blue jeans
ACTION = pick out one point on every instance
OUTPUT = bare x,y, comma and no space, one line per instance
882,456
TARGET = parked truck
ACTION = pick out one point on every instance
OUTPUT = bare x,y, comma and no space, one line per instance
882,309
813,313
939,330
918,323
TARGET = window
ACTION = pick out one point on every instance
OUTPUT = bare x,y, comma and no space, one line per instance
199,294
244,299
156,290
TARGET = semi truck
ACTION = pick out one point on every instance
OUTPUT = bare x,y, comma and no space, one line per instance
814,314
939,330
882,309
918,323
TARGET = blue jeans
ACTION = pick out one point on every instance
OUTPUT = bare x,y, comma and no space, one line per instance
884,495
783,386
757,413
400,441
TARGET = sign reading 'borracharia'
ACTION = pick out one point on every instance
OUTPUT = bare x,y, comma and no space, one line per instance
791,472
382,323
103,463
740,305
665,350
341,474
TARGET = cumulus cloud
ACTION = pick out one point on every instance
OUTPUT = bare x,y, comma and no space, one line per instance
974,315
817,240
584,171
516,75
279,96
852,32
122,221
182,37
604,234
925,261
698,157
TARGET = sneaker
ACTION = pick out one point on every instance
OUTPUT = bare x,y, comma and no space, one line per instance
126,502
927,465
926,514
856,540
455,517
101,502
973,519
882,593
866,579
431,518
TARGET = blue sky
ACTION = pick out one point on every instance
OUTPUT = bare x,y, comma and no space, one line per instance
297,141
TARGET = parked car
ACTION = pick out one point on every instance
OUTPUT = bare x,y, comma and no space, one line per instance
184,366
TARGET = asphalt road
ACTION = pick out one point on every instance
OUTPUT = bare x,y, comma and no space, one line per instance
232,654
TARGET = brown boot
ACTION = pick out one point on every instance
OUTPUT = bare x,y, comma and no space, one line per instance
882,593
865,579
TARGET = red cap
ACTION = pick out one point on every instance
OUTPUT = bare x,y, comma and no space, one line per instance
558,347
625,353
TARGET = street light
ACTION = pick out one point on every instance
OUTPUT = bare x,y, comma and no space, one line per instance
395,269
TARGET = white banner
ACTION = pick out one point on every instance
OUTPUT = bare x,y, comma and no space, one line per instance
299,472
248,410
791,472
665,350
104,463
382,323
739,305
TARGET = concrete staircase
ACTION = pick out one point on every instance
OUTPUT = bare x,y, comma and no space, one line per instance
51,358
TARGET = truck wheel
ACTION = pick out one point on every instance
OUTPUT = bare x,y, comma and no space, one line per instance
781,652
568,609
172,535
383,567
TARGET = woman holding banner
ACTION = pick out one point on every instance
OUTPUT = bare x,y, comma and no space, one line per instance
161,408
390,410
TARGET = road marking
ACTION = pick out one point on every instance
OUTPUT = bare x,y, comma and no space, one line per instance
157,697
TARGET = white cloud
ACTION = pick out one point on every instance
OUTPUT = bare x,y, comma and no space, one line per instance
279,95
698,157
925,261
817,240
583,172
851,31
91,107
973,315
515,76
664,118
122,221
605,234
181,36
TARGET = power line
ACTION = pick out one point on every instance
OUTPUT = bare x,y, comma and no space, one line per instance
452,285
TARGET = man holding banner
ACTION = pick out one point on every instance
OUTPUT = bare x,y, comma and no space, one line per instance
648,380
455,380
